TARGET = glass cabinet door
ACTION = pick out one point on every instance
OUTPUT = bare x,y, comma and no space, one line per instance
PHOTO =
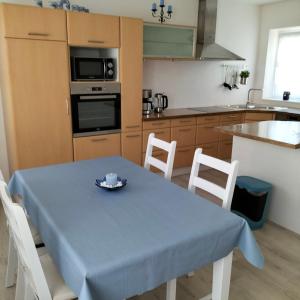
167,41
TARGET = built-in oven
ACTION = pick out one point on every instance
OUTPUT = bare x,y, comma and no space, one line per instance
96,108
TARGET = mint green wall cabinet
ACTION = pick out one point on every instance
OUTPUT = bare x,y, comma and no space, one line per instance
169,41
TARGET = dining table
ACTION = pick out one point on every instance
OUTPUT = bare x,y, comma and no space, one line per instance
113,245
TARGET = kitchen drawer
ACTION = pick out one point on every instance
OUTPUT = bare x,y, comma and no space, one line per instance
211,149
225,149
162,133
230,119
207,134
184,136
97,146
21,21
256,117
183,122
184,157
208,119
156,124
132,146
161,155
93,30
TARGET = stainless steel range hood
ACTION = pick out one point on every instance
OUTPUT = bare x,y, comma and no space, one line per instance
207,48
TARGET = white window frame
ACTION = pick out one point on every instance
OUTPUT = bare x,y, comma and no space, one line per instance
272,61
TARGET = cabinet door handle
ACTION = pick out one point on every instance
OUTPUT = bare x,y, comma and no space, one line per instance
133,126
99,140
209,127
185,130
67,106
183,151
160,123
38,34
95,42
133,136
185,121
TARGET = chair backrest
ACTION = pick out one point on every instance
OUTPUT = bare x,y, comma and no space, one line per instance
231,169
1,176
27,253
165,167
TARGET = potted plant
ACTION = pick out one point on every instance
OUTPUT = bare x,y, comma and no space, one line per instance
244,75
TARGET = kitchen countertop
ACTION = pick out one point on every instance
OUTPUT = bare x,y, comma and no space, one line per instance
281,133
212,110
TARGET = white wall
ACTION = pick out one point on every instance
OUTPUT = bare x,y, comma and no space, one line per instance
274,16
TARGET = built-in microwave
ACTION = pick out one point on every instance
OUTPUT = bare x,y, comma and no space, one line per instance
96,108
88,68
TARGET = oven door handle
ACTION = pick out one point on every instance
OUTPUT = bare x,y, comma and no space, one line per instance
98,97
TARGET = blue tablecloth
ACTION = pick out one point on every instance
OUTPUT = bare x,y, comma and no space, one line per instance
113,245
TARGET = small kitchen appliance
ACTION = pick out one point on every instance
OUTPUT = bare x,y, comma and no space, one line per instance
93,69
160,102
147,102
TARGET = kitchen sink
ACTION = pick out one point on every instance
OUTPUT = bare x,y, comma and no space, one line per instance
253,106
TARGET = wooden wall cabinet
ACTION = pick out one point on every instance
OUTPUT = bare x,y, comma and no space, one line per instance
91,147
93,30
21,21
35,76
131,73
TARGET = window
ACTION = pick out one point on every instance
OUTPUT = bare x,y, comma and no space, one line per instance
283,64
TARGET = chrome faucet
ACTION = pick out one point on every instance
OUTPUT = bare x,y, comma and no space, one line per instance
249,93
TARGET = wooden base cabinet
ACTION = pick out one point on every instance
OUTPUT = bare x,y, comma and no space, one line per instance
132,146
97,146
184,157
251,117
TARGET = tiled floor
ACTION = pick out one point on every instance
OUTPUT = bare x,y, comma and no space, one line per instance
279,280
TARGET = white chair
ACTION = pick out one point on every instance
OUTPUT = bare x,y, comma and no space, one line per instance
37,276
165,167
231,169
12,260
224,194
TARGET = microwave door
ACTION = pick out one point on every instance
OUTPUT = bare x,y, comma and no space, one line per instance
90,69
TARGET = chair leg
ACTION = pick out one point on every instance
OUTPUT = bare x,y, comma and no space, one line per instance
29,294
171,290
20,285
221,278
12,264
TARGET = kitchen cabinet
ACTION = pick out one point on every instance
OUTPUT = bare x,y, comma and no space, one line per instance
185,136
225,143
131,73
97,146
160,133
250,117
21,21
132,146
184,157
206,132
225,149
35,81
93,30
211,149
169,41
156,124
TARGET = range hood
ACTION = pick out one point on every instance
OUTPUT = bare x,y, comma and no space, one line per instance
206,47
